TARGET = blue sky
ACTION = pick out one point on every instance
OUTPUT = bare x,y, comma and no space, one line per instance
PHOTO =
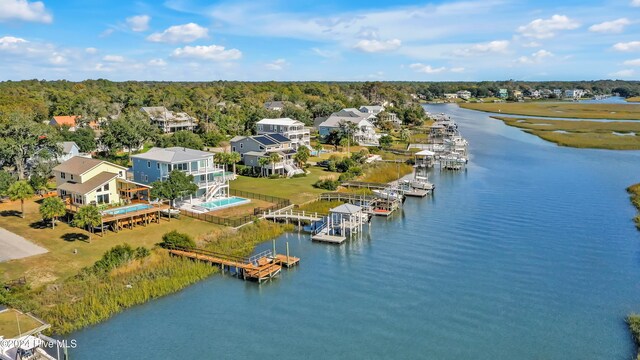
198,40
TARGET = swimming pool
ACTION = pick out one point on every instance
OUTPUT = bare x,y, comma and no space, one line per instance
126,209
225,202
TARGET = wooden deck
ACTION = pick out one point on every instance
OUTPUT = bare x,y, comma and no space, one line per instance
331,239
130,219
261,267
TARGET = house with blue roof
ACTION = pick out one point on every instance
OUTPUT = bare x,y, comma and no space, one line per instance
253,148
157,163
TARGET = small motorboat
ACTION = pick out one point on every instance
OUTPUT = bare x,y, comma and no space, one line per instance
422,183
172,212
388,194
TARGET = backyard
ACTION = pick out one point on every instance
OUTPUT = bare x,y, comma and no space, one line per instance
60,261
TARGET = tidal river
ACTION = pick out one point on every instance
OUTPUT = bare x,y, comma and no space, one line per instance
529,254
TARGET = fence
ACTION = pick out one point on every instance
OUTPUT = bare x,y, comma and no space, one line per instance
278,203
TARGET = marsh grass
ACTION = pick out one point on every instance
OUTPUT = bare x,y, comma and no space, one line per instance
581,134
384,172
634,192
561,110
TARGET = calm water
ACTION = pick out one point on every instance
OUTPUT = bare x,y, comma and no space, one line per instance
530,254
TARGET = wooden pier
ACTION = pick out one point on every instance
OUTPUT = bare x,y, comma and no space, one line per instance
365,185
260,267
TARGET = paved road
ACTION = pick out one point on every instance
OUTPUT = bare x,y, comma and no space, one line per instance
13,246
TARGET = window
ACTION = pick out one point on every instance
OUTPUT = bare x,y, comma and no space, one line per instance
233,148
241,146
120,173
103,199
63,175
63,193
158,165
148,164
71,176
146,178
106,187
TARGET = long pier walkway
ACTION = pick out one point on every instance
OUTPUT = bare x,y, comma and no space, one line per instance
260,267
292,215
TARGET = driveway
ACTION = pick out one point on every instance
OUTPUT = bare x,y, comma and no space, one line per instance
13,246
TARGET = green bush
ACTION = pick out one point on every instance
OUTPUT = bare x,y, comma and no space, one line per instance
274,176
299,175
174,239
113,258
142,252
327,184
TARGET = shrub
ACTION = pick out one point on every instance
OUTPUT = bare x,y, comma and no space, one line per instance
142,252
327,184
299,175
274,176
174,239
633,321
113,258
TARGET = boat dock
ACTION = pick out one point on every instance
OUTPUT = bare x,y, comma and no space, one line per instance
260,267
370,204
365,185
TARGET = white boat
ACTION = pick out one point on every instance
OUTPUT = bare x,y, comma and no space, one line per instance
388,194
422,183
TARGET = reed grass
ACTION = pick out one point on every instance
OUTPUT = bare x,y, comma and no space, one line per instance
384,172
633,321
321,207
561,109
634,192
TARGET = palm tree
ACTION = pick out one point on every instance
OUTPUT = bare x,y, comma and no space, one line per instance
273,159
87,215
52,208
302,155
263,161
20,190
348,128
318,147
221,158
234,157
405,135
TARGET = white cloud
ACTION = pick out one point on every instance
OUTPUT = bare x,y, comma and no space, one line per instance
536,57
496,46
427,69
101,67
91,50
106,33
374,45
277,65
635,3
57,59
180,34
113,58
25,11
635,62
457,69
138,22
325,53
10,42
628,46
211,52
157,62
532,44
615,26
627,73
547,28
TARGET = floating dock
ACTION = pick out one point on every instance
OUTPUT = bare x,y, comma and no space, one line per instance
260,267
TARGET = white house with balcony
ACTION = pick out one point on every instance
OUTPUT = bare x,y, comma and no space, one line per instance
254,148
156,164
364,133
293,130
169,121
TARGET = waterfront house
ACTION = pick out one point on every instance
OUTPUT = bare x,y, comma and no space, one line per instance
274,105
169,121
516,94
503,93
254,148
293,130
390,117
574,93
157,163
557,92
450,96
82,181
365,131
464,94
371,109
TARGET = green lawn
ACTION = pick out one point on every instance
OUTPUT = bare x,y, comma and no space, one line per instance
562,110
60,261
298,190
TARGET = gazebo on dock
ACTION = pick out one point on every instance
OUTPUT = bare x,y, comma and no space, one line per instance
425,158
